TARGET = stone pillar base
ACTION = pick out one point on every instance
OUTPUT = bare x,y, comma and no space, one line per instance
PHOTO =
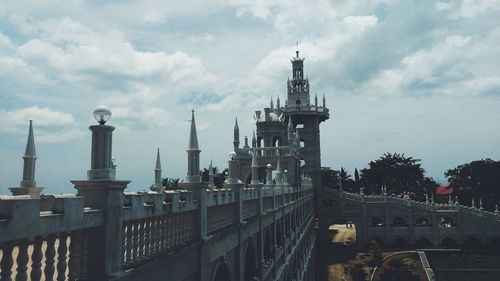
33,192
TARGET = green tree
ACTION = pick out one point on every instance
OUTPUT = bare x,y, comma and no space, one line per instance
398,173
219,177
356,175
477,179
355,268
376,254
170,183
329,177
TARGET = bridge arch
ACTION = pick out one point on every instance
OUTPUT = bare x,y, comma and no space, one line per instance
250,269
423,242
377,239
400,242
376,221
449,243
398,221
222,271
422,221
446,222
472,242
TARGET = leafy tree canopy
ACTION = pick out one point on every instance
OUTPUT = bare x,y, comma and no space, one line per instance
476,179
398,173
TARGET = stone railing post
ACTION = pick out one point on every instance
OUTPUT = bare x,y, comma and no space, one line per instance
103,192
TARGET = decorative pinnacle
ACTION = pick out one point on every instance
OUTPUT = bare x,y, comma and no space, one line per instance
158,163
30,145
193,137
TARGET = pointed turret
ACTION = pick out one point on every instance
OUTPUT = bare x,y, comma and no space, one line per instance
210,175
324,100
278,102
271,104
29,160
28,183
236,136
158,169
290,130
193,151
316,99
193,137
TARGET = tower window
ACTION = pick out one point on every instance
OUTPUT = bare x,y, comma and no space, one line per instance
297,102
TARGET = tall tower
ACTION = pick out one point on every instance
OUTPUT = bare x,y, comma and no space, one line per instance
298,87
305,119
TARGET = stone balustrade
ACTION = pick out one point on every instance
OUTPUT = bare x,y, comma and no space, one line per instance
428,206
49,238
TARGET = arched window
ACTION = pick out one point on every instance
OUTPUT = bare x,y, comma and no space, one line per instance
398,221
297,102
222,273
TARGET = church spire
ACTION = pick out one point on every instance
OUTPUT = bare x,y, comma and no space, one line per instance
29,160
158,169
324,100
278,102
193,151
271,105
193,137
236,138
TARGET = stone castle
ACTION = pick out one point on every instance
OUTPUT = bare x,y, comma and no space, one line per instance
269,221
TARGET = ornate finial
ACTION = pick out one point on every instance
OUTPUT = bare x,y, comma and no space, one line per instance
481,203
473,203
297,49
278,102
496,209
456,200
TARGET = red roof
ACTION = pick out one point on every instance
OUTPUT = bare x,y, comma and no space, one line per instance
445,189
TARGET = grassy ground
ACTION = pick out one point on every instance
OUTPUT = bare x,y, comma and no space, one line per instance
414,256
343,252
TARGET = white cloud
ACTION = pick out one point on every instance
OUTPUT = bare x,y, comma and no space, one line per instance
49,126
155,17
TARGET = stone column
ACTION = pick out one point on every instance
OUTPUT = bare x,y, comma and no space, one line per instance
101,191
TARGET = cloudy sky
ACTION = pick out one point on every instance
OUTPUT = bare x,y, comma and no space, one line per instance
416,77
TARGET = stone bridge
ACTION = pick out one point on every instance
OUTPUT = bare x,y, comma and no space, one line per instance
241,232
401,222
